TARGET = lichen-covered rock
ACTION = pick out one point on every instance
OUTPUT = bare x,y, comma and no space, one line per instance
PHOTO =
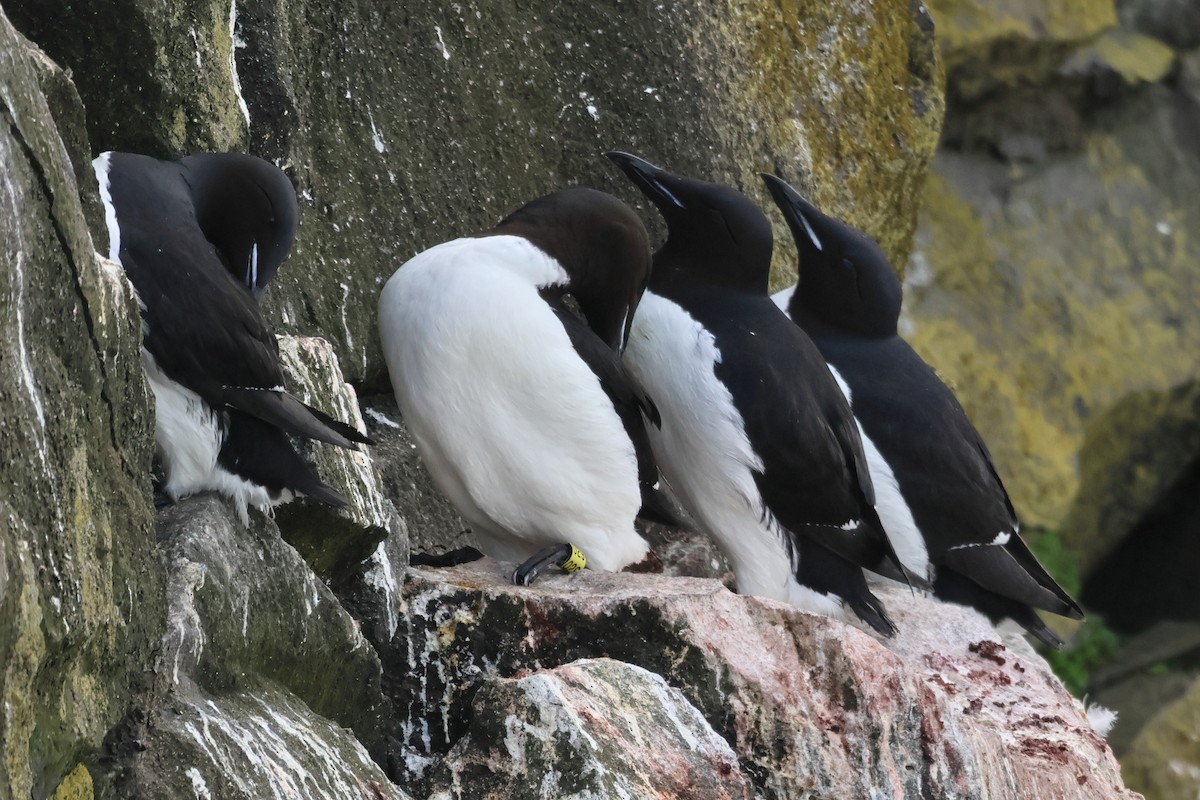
1131,458
79,581
334,541
1164,761
811,706
1132,57
1176,22
251,633
404,125
992,45
591,728
1044,295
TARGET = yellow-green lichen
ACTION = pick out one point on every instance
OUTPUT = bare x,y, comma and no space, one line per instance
76,786
856,89
1050,306
1004,43
1137,58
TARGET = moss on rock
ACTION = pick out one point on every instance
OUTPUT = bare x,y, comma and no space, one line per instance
1046,296
996,44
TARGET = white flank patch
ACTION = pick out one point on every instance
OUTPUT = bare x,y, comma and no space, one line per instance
234,44
902,531
189,438
100,165
512,424
783,298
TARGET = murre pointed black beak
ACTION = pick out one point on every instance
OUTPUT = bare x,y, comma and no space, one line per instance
799,213
647,177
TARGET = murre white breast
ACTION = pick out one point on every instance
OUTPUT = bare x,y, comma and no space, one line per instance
503,351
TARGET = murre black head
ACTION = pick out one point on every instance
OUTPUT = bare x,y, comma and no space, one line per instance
600,243
846,282
247,209
714,233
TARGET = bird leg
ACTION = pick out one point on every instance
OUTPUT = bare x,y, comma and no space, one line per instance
566,556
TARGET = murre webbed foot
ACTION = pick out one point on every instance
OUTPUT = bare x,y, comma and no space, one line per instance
566,556
451,558
162,500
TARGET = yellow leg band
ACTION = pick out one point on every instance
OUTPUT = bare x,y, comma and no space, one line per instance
574,562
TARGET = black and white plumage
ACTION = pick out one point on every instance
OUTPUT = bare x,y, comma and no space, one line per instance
198,239
503,350
756,441
939,496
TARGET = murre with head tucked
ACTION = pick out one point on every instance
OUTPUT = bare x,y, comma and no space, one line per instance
198,239
756,440
504,353
940,498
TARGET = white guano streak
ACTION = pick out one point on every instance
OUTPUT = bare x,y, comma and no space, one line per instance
18,276
234,44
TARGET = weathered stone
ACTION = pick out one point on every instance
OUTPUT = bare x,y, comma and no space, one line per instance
76,786
433,524
247,745
1164,761
812,707
251,632
404,125
592,728
78,574
334,541
1138,699
1176,22
1045,296
1130,459
1132,57
991,45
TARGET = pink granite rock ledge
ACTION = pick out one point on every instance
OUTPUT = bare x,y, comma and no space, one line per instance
811,706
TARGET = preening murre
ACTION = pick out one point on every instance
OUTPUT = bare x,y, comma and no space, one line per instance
198,239
756,440
940,497
504,353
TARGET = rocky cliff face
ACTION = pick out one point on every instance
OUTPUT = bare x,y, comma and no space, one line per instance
182,655
1054,284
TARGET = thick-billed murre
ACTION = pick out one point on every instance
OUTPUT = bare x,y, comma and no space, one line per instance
940,497
193,236
756,440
